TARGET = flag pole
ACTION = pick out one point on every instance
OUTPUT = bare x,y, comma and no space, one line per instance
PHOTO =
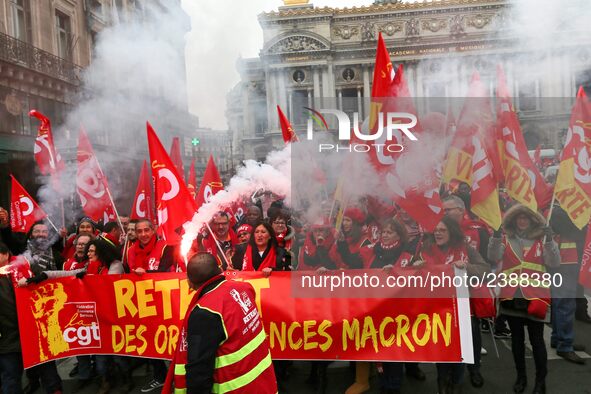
218,245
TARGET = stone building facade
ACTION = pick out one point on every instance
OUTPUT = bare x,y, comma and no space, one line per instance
316,56
45,45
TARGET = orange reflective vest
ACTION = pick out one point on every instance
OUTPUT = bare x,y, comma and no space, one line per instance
243,360
526,275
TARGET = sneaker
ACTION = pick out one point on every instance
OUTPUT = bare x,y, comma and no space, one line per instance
484,325
502,333
151,386
483,351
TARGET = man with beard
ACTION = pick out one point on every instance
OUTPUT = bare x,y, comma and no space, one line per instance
225,237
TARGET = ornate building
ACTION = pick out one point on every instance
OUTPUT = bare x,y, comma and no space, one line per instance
313,56
45,45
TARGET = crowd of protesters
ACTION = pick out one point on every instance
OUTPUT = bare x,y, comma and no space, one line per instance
373,234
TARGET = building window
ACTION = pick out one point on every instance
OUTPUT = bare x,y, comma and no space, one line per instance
64,35
350,102
260,118
21,20
528,96
297,113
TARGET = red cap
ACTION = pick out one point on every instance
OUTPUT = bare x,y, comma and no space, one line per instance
244,228
355,214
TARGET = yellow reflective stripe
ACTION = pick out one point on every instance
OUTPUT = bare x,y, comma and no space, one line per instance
245,379
180,369
239,354
525,264
568,245
180,391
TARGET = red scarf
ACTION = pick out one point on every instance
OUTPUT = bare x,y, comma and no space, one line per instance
96,268
142,252
436,255
269,261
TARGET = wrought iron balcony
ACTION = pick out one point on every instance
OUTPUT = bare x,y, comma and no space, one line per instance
19,52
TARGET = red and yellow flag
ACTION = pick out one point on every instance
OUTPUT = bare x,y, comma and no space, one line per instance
470,157
521,177
573,182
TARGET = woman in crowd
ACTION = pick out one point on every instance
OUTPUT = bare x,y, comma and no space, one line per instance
345,252
284,233
261,253
528,248
447,245
392,249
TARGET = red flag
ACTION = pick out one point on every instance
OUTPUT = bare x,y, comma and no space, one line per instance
192,181
573,182
91,184
286,130
175,156
471,158
210,184
142,203
521,177
24,211
46,156
174,204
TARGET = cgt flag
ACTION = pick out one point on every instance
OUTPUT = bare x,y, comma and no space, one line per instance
24,211
573,182
46,156
469,158
521,177
286,130
142,203
210,184
174,205
91,184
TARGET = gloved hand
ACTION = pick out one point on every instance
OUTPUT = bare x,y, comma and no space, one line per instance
548,233
37,278
80,275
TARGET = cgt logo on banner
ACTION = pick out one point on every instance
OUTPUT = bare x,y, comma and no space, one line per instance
396,125
67,325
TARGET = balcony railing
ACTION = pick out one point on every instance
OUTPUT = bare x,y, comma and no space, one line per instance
19,52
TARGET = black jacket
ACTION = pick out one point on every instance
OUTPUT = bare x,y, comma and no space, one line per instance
9,337
205,332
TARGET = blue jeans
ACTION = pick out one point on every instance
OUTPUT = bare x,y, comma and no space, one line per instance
11,372
563,308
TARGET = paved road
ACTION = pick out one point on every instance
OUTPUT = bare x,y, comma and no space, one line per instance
499,373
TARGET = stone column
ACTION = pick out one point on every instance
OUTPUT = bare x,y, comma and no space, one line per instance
282,96
366,88
317,92
359,103
340,99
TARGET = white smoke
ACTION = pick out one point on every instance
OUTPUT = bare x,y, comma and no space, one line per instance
273,175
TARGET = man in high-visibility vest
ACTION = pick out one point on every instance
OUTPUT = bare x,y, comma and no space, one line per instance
223,347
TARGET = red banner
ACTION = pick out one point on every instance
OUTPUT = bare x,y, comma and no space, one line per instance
140,316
